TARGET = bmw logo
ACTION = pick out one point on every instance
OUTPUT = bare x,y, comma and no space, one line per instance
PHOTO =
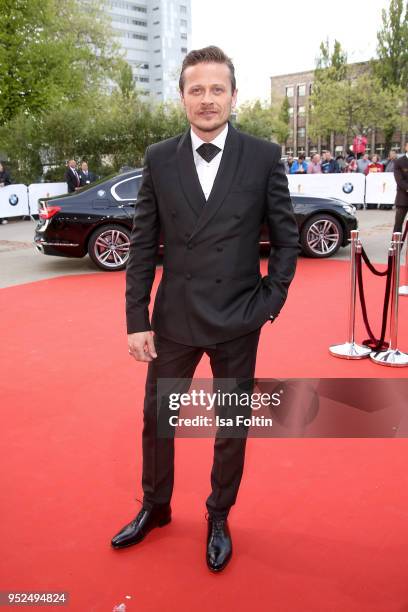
348,187
13,199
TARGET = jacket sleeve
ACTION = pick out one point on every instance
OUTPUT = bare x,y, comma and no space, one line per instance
141,266
400,179
284,238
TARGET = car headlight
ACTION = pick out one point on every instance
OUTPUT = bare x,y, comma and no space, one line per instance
349,208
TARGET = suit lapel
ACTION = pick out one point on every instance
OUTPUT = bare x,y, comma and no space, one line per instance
188,174
226,173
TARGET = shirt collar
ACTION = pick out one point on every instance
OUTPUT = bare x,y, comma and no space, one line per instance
218,141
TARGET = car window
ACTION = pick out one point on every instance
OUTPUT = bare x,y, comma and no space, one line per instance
126,189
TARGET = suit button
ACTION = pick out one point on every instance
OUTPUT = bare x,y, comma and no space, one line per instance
217,280
188,276
219,249
189,246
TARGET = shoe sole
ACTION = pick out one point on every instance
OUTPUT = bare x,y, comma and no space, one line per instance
161,524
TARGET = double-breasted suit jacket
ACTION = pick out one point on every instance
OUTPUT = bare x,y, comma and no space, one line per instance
401,177
211,288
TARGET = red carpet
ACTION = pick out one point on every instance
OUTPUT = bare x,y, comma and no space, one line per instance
320,525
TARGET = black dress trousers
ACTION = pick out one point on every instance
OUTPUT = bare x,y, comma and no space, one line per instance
232,361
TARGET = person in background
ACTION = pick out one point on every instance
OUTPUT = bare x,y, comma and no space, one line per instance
401,199
374,165
362,163
315,166
299,166
351,164
85,176
392,158
329,165
72,177
341,162
4,181
288,164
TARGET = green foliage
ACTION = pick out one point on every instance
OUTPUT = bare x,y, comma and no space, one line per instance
392,47
331,65
265,121
110,131
354,100
51,51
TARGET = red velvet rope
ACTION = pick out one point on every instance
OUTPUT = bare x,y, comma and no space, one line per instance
370,265
372,341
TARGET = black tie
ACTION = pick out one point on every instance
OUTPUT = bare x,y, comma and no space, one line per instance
208,151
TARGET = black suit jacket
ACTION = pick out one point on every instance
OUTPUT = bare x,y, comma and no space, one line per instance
401,177
86,179
71,180
211,288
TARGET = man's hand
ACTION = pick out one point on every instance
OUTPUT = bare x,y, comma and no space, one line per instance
141,346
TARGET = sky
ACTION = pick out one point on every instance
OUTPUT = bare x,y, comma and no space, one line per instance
267,38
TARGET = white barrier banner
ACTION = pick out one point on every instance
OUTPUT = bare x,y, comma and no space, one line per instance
381,188
13,201
347,186
37,191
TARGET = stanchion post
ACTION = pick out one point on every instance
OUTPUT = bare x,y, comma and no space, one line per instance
393,356
351,350
403,290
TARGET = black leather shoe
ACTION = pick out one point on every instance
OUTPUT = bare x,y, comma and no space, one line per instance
145,521
219,544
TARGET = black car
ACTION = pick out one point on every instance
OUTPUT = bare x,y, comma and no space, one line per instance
97,220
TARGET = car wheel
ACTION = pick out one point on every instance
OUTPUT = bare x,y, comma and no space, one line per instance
321,236
109,247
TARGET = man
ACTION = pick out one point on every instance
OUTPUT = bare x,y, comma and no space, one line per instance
328,164
401,199
85,176
392,158
208,191
315,166
299,166
72,177
363,163
288,164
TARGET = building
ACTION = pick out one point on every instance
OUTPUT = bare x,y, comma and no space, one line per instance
297,86
155,36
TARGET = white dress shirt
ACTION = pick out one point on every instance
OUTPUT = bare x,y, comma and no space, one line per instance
207,171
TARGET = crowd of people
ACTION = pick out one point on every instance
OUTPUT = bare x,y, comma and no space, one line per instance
327,164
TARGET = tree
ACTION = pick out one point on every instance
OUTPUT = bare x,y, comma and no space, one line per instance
263,121
51,51
392,48
391,67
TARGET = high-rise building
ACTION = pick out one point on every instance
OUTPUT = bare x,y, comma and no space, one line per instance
155,36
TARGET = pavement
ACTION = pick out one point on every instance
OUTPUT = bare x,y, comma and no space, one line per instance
21,263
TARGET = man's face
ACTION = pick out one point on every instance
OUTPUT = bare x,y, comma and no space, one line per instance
207,96
393,155
84,167
72,164
316,158
327,156
365,156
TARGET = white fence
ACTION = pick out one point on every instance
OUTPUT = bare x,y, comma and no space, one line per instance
354,188
20,200
349,187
